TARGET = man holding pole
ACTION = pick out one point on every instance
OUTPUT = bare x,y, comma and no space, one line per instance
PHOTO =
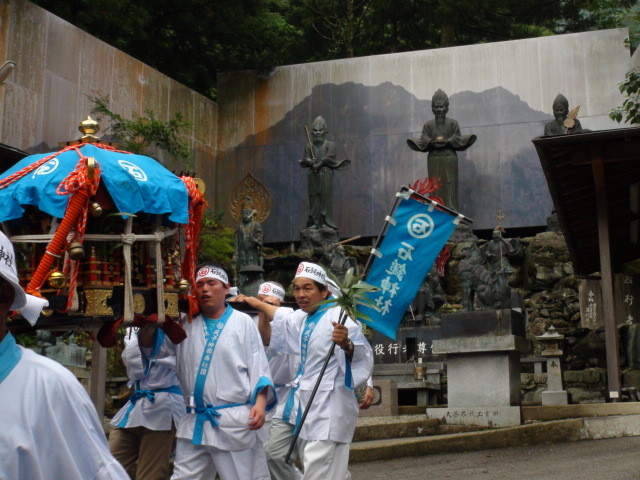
331,418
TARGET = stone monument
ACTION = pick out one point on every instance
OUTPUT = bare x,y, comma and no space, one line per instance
441,139
483,366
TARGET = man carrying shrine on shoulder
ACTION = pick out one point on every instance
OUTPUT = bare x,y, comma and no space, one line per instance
224,374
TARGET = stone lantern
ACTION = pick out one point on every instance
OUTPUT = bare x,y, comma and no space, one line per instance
555,393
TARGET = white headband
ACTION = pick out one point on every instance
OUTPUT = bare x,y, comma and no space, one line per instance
312,271
317,273
272,289
212,272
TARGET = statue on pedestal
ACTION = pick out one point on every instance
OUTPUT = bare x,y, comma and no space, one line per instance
487,289
247,242
429,299
337,261
320,158
250,204
441,138
471,274
565,121
496,253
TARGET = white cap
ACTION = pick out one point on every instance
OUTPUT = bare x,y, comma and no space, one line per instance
28,305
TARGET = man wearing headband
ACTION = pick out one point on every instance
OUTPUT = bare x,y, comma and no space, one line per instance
283,370
50,427
224,375
309,332
145,427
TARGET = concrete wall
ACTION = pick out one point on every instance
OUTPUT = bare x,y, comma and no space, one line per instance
501,92
59,66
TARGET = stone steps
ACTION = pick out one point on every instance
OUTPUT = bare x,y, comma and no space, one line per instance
381,428
410,435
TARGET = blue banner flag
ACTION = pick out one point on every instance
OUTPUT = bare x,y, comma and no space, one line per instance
416,234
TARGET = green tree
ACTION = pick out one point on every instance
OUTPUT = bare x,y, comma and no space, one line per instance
630,87
192,40
630,109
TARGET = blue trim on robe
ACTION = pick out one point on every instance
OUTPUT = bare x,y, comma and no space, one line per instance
10,355
150,395
158,341
263,383
348,376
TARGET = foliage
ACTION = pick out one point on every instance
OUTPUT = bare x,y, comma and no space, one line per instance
630,108
192,40
115,365
352,294
138,135
27,340
216,240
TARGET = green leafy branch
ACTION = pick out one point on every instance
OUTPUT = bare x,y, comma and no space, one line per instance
352,294
139,134
630,108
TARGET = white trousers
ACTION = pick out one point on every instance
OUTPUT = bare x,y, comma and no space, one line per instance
280,436
324,459
202,462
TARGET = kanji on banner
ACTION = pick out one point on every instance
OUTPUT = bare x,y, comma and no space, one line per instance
415,235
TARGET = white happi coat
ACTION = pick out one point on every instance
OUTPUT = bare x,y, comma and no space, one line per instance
239,371
150,376
50,428
334,411
283,369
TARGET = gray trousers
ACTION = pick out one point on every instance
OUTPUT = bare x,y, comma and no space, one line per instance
280,436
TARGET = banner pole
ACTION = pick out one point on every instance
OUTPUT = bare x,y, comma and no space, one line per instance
380,235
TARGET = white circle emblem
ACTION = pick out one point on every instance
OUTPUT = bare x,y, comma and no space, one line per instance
47,168
420,226
133,170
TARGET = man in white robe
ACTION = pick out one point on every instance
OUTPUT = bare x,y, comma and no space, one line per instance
145,427
224,374
50,428
309,332
283,371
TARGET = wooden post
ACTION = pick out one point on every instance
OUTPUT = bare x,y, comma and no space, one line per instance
98,377
610,324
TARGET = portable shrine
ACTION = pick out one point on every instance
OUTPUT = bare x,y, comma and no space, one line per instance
108,237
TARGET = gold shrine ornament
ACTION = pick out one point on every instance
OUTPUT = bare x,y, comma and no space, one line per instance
76,251
56,280
183,287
